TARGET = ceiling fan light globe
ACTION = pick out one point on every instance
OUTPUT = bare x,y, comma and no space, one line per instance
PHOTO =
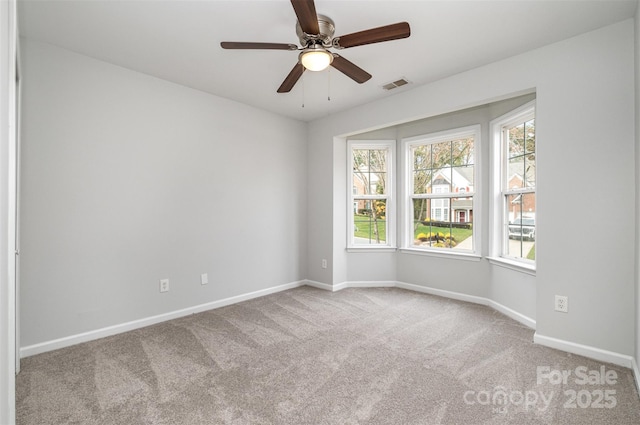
316,60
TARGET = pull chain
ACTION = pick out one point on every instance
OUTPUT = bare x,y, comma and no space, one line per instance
329,85
303,90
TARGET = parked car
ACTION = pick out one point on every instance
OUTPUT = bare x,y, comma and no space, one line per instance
523,228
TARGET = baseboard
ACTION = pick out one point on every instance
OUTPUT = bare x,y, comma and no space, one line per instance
345,285
518,317
321,285
570,347
587,351
521,318
43,347
443,293
370,284
584,350
636,373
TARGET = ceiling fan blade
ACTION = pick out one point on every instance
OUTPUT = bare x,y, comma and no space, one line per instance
349,69
307,17
291,79
373,35
267,46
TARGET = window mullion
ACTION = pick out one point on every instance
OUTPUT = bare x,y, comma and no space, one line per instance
368,197
519,191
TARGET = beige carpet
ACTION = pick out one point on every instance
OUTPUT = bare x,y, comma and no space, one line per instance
307,356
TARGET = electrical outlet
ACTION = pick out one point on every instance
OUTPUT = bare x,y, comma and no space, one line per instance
562,303
204,279
324,263
164,285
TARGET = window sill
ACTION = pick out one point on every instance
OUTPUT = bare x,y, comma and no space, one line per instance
450,255
371,249
513,265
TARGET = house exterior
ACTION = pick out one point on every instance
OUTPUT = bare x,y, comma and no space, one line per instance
460,180
452,180
522,205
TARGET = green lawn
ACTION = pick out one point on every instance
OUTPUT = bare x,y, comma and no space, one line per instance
364,228
532,253
458,234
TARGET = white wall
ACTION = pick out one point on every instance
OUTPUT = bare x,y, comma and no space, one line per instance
128,179
585,132
8,51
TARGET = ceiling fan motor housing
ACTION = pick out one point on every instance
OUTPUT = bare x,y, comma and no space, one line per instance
327,29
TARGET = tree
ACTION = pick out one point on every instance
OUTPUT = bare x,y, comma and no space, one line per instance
370,168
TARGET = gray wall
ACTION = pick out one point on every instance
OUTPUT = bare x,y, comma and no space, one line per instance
585,132
128,179
637,193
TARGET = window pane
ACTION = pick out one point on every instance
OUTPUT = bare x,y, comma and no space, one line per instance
370,171
421,181
421,157
516,173
441,155
462,179
369,222
361,159
515,137
521,228
530,170
445,223
421,168
462,151
530,136
378,183
420,210
521,154
378,160
441,180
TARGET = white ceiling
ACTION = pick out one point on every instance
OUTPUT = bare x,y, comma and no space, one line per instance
179,41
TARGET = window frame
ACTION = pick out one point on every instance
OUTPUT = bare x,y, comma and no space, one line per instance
390,213
500,190
476,195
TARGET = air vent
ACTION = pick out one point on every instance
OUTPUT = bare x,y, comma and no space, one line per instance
394,85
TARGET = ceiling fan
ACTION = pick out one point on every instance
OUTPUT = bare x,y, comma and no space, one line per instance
316,37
